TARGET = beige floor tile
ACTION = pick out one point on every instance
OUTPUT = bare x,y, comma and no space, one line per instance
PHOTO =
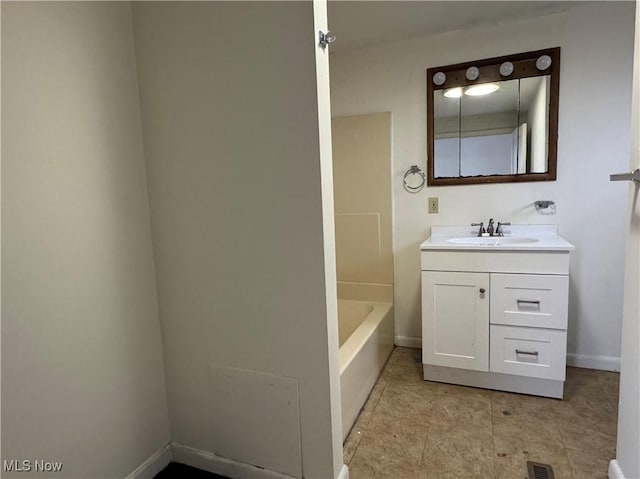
457,452
512,454
595,417
369,407
405,405
471,410
353,439
522,402
525,424
363,469
582,375
351,444
446,389
593,390
406,357
415,429
610,381
404,374
389,448
576,435
589,464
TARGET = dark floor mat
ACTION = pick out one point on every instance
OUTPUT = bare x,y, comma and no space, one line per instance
176,470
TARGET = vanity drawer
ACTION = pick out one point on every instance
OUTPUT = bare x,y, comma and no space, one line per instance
538,353
532,300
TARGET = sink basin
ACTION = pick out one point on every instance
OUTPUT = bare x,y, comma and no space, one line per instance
516,240
491,241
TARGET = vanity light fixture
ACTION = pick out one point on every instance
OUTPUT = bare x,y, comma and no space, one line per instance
482,89
439,78
506,69
453,92
543,62
472,73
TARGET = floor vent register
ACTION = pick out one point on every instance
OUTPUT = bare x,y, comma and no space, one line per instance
539,471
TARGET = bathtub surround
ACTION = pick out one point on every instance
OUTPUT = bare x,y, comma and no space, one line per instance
363,211
593,142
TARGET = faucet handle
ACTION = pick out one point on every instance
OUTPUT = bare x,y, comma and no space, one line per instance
499,227
481,230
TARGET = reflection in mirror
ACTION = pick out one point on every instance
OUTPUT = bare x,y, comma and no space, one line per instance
494,129
489,130
447,133
534,103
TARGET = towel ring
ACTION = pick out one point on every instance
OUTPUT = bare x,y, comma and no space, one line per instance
415,169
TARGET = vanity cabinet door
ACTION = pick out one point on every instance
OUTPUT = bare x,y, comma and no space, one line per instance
455,319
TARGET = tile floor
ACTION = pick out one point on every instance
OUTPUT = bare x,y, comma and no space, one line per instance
413,429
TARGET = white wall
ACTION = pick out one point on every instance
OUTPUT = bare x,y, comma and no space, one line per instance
230,115
82,372
594,139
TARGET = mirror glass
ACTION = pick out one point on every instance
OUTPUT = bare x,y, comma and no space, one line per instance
493,131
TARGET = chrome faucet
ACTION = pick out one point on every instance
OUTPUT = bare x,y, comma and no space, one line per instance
481,230
490,228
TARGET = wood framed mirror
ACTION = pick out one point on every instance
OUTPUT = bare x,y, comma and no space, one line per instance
494,120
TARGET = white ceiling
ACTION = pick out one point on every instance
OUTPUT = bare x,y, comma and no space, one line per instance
363,23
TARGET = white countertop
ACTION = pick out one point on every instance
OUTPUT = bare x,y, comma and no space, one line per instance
546,235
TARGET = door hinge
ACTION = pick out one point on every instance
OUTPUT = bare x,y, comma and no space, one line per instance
325,38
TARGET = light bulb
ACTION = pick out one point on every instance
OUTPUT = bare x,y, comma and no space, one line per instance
482,89
453,92
472,73
439,78
506,69
543,62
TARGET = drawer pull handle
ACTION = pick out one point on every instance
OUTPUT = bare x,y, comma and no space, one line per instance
528,305
482,290
528,353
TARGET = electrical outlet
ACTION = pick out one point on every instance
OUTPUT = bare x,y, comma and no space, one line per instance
433,205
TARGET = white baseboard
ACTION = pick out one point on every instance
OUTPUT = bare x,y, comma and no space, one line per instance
206,461
152,466
344,472
605,363
614,470
210,462
408,342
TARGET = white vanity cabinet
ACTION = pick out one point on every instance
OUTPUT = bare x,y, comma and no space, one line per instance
496,317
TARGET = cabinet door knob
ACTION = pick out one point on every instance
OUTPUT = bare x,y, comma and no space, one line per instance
482,291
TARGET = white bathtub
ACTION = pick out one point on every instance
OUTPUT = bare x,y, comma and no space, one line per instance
366,340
